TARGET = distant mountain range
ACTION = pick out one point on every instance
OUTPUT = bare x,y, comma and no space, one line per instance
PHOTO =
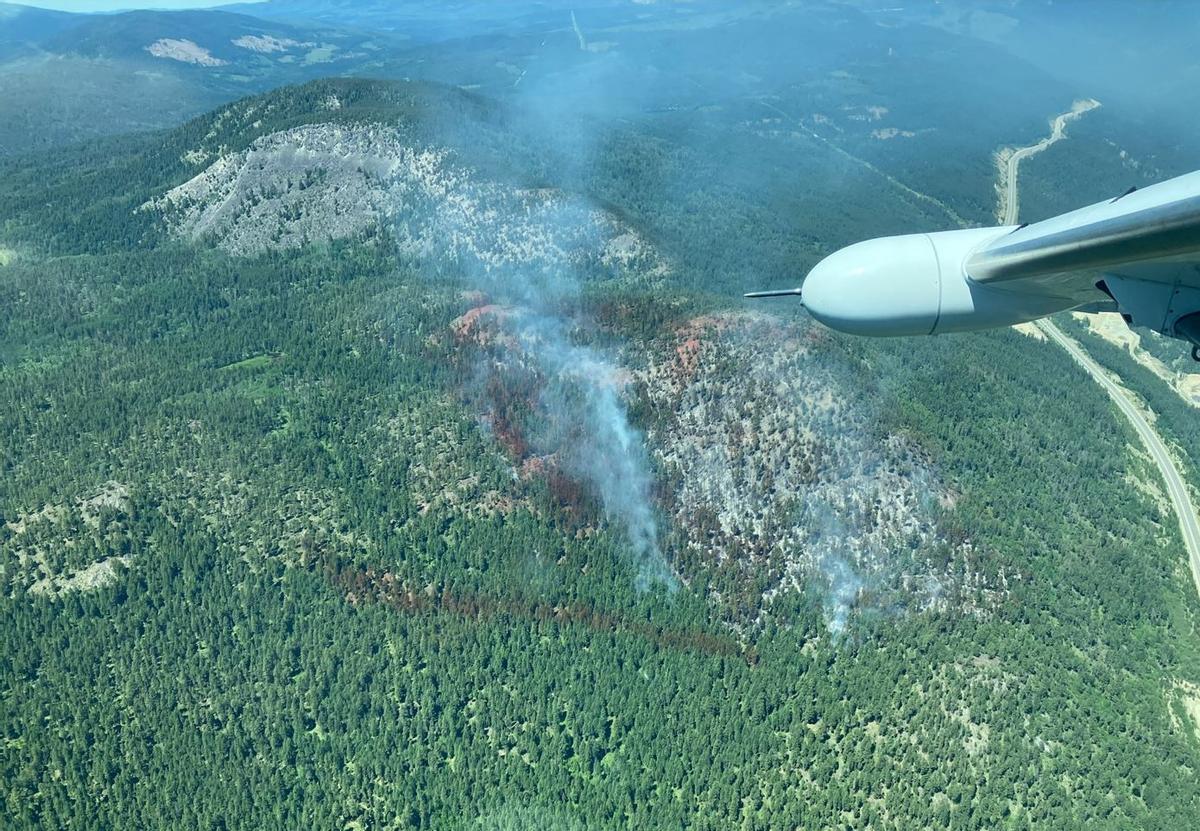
431,20
69,76
23,27
66,77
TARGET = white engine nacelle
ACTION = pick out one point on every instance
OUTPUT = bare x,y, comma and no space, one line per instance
916,284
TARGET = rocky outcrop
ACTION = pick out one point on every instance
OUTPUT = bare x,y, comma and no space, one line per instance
184,51
323,182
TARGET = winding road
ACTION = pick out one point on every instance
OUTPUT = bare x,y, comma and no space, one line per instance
1177,489
1010,201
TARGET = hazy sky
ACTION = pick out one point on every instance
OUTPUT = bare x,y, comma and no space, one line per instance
114,5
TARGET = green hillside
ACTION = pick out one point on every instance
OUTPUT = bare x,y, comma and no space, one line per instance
282,544
69,77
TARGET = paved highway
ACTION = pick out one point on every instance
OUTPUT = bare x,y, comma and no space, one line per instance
1181,499
1010,201
1176,487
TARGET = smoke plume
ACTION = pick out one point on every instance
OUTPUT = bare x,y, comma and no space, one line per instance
529,251
840,593
590,433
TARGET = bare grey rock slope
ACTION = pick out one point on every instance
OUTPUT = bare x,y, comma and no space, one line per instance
323,182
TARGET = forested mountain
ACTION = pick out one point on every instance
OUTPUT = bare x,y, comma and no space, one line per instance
1127,57
24,27
309,416
66,77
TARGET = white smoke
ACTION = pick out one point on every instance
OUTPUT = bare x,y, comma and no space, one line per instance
528,249
841,593
605,449
831,535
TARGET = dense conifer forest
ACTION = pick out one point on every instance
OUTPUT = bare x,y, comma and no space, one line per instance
232,599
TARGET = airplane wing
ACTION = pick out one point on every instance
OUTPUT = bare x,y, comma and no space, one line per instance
1160,224
1138,254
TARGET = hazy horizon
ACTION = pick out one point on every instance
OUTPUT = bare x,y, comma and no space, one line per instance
88,6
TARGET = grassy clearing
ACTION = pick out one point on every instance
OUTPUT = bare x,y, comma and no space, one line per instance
254,362
322,54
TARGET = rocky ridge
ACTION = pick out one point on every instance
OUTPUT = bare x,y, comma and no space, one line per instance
322,182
